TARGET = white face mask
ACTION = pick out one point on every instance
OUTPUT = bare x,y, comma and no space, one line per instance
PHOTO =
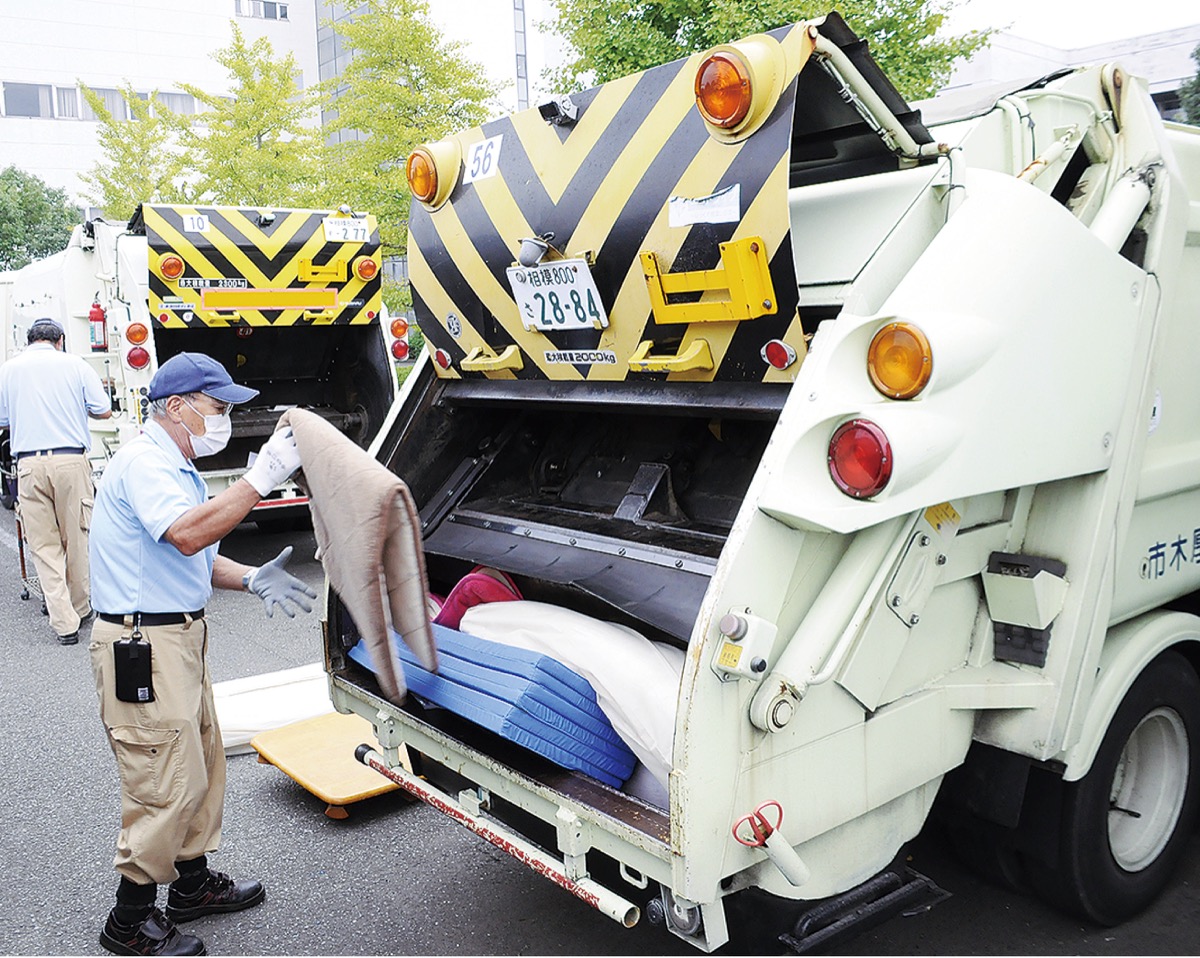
217,430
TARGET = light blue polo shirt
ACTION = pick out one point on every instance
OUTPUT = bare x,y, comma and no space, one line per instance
45,396
144,489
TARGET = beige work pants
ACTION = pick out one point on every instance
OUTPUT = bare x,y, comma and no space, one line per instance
169,753
55,496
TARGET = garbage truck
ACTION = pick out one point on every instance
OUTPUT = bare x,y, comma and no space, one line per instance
882,418
289,300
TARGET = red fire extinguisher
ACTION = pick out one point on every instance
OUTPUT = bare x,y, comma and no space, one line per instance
98,328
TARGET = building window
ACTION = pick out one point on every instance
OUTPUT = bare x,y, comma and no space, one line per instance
261,9
179,103
68,102
113,102
27,99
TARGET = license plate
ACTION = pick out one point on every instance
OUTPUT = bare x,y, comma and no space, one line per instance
345,229
558,295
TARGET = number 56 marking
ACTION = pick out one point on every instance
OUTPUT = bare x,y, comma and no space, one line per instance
483,159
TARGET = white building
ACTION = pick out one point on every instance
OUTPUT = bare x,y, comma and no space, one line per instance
49,47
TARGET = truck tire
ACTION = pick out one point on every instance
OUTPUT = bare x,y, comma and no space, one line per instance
1126,823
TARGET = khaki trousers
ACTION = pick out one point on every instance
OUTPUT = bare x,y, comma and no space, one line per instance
169,752
55,495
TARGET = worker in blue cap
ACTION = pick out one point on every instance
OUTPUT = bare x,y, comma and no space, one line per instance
154,564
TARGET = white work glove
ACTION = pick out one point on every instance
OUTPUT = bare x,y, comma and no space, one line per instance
277,460
276,586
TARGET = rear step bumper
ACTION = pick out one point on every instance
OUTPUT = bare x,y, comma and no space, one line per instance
602,899
897,891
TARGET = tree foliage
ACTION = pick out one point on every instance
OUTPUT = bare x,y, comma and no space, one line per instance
260,145
1189,93
35,219
404,85
613,38
142,161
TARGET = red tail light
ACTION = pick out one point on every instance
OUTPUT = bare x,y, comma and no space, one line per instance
138,358
860,459
400,349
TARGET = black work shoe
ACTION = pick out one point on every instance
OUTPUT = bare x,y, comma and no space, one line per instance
155,935
69,639
219,893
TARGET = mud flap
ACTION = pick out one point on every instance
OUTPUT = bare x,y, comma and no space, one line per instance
897,891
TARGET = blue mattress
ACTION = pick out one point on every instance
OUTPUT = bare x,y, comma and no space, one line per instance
525,697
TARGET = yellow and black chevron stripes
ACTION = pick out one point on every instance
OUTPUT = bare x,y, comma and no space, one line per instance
241,267
602,187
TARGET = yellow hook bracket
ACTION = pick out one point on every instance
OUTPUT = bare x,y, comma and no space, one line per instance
697,355
480,361
741,288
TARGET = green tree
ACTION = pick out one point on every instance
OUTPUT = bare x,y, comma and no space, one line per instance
141,158
613,38
35,219
404,85
259,146
1189,93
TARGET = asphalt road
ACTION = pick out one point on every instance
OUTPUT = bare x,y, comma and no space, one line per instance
395,877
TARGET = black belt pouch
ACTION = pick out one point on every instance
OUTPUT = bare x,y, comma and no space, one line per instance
131,659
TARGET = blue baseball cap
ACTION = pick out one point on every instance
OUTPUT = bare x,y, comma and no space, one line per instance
197,373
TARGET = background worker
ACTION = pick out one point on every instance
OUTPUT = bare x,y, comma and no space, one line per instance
46,397
154,566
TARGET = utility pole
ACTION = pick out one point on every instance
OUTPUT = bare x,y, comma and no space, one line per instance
522,69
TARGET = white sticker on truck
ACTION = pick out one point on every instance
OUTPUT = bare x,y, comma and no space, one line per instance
483,159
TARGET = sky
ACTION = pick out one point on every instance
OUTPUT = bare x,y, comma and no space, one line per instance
1070,24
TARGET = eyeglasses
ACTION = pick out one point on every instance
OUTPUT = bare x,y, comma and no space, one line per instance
219,408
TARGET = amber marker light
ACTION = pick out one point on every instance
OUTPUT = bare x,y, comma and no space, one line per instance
900,361
171,266
723,89
422,175
366,268
137,333
399,328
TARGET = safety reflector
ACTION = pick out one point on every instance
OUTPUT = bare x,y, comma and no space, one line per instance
860,458
778,354
442,358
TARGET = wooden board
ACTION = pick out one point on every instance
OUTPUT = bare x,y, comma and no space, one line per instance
318,753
